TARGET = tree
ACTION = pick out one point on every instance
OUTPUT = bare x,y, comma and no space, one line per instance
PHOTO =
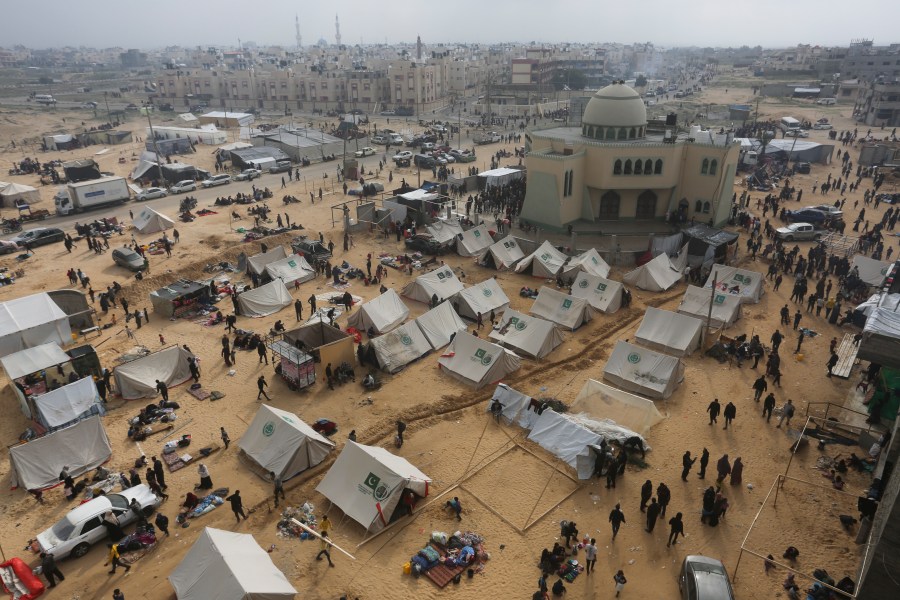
569,78
640,81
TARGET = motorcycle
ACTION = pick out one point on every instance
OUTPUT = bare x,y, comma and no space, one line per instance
10,225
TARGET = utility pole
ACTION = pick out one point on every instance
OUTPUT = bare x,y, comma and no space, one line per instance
155,146
106,100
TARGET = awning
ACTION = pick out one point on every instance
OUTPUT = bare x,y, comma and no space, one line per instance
31,360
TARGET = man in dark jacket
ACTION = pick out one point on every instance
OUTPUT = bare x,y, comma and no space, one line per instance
730,413
686,463
616,517
713,410
646,492
50,570
237,505
652,514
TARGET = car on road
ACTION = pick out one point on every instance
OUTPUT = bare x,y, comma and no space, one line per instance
424,243
462,156
388,113
248,175
828,209
151,193
311,250
82,526
704,578
185,185
438,128
798,133
379,139
448,157
281,166
215,180
404,155
367,151
805,215
796,232
131,106
8,247
128,258
39,237
822,126
90,105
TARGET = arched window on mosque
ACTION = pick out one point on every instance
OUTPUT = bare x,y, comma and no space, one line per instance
713,167
638,167
617,167
632,133
622,133
648,166
628,167
657,169
698,206
706,206
610,133
704,166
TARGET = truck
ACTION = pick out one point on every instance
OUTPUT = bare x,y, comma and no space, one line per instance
487,138
88,195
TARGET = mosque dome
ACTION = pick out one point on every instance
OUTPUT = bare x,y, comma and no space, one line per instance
615,108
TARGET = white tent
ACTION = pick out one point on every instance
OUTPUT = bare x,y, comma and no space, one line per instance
501,176
477,362
562,437
265,300
188,117
528,335
257,263
658,275
31,360
746,285
17,194
439,324
726,309
603,294
444,232
517,407
589,262
474,242
281,443
544,262
229,566
290,269
137,379
601,400
68,403
569,311
481,298
669,332
871,271
502,254
150,221
82,447
31,321
643,371
399,347
367,483
441,282
383,313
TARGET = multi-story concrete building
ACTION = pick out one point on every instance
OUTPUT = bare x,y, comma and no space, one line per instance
878,104
871,63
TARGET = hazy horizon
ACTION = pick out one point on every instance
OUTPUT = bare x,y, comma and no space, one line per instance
106,24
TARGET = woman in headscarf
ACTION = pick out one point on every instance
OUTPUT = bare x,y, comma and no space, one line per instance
724,468
112,527
205,479
737,471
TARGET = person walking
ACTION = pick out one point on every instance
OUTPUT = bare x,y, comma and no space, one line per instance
163,390
118,595
590,556
704,461
832,362
261,350
723,468
799,342
50,570
261,383
160,473
224,435
616,517
324,545
620,580
759,386
729,413
713,409
787,411
115,559
676,528
776,340
646,492
664,496
768,407
652,514
162,523
279,487
686,463
237,505
797,316
298,308
401,427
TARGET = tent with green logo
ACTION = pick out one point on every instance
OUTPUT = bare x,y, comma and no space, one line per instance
502,254
741,283
290,269
440,324
383,313
568,311
531,336
397,348
278,441
666,331
871,271
658,275
476,361
544,262
726,309
642,371
368,482
481,298
474,242
589,261
603,294
441,282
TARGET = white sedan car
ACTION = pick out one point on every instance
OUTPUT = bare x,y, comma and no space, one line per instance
367,151
187,185
220,179
151,194
822,126
404,155
83,525
248,175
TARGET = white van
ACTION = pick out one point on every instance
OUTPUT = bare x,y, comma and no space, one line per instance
827,101
789,124
45,99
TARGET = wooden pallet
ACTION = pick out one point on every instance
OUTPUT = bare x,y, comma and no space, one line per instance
846,352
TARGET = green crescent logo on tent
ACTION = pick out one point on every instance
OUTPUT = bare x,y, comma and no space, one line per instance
601,287
486,359
583,283
292,263
380,492
594,260
441,275
372,481
545,256
269,428
720,299
567,304
521,325
405,340
487,293
476,233
634,358
287,419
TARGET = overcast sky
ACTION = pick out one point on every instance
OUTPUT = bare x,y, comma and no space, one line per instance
157,23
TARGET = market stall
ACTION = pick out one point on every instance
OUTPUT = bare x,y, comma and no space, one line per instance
296,367
179,298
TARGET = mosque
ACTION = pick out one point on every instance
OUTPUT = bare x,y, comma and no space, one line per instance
613,175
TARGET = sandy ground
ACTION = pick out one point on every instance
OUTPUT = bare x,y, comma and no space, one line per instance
450,438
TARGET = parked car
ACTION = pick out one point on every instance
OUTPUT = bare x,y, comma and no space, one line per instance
805,215
282,166
404,155
804,168
82,526
448,157
822,126
39,237
439,128
704,578
248,175
427,146
424,243
187,185
799,133
424,161
128,258
213,181
462,156
388,113
8,247
367,151
798,232
312,250
379,139
828,209
151,194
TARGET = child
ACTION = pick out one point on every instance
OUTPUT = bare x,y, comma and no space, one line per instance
620,580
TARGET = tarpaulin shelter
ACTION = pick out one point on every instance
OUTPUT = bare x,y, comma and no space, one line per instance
871,271
502,254
707,244
481,298
14,194
603,294
801,150
669,332
280,442
544,262
258,262
31,371
60,141
229,566
474,242
137,379
146,169
642,371
265,300
442,283
150,221
516,407
477,362
82,447
568,311
83,169
501,176
328,344
444,232
397,348
563,437
291,269
726,309
658,275
383,313
880,341
589,262
746,285
440,324
367,483
604,401
31,321
178,297
531,336
69,403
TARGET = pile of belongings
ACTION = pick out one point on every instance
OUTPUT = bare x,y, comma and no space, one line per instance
527,292
207,504
425,559
134,354
305,514
570,569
